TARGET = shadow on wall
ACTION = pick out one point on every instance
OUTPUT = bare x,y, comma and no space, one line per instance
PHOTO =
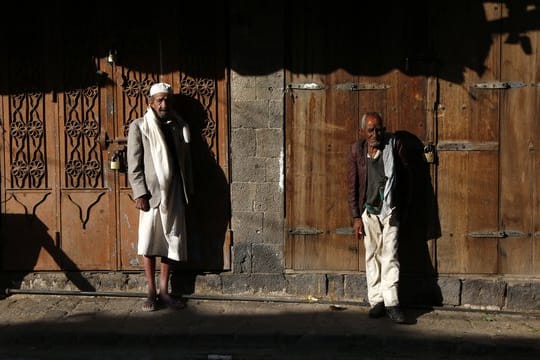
420,223
209,211
363,38
54,48
34,233
418,37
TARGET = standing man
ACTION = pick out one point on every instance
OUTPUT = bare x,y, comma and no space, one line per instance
159,171
373,203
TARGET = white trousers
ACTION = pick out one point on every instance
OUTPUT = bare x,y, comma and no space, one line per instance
382,264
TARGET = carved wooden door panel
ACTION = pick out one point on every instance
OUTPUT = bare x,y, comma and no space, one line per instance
130,92
192,59
87,184
196,101
57,194
29,199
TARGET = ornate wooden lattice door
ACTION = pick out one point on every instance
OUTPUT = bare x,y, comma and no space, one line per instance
58,197
196,101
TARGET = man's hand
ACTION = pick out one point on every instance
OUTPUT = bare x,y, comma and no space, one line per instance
358,228
142,203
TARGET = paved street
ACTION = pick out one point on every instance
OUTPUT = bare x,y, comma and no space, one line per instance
84,327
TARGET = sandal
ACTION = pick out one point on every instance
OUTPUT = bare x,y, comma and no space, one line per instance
173,304
149,305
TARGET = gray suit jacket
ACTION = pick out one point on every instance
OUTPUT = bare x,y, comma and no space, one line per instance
141,172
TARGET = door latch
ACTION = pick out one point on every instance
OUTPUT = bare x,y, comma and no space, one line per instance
105,141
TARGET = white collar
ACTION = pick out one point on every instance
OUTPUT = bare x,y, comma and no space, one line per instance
377,154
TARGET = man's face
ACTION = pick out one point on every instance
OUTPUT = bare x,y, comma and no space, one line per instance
374,131
161,104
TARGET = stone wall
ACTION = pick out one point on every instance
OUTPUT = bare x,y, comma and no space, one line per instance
257,139
451,292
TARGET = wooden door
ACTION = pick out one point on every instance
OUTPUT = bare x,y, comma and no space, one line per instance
65,109
320,125
58,210
208,213
468,167
519,249
487,136
338,70
29,191
186,47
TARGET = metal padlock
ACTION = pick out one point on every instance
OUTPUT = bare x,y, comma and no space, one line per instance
115,161
429,153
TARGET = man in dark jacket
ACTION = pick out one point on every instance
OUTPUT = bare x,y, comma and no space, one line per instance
374,205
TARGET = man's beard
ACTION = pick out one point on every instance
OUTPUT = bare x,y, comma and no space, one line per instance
162,115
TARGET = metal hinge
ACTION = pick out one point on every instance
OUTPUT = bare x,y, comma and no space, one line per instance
468,146
344,231
305,231
362,86
497,234
499,85
306,86
345,86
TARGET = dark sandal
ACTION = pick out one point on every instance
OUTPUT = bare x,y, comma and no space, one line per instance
173,304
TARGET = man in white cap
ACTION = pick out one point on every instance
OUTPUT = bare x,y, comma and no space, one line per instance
159,171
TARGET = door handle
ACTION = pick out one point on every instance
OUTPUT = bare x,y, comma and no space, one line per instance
105,141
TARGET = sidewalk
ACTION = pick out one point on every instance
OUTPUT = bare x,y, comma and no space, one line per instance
84,327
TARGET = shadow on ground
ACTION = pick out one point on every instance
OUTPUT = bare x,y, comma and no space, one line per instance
62,328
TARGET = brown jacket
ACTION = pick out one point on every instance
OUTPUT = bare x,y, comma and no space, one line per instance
357,175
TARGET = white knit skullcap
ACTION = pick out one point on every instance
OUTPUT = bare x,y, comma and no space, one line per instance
160,88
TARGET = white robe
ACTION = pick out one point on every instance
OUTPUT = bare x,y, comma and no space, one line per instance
162,230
